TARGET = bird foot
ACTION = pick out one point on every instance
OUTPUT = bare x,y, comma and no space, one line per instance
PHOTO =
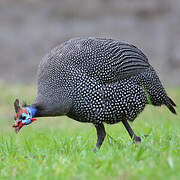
96,149
136,139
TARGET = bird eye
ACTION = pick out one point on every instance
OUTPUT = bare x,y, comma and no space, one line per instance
23,117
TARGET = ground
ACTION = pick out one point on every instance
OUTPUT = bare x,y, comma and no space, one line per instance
60,148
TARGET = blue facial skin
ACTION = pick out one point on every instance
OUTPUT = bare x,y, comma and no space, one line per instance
27,117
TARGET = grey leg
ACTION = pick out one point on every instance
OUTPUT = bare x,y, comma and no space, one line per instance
101,133
131,133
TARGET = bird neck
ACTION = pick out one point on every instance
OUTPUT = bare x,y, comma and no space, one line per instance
33,110
40,110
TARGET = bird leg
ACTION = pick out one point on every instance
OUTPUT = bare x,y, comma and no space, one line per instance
101,133
131,133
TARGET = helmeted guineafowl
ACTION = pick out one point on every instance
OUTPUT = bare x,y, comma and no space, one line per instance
94,80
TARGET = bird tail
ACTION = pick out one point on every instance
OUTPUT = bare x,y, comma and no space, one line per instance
170,104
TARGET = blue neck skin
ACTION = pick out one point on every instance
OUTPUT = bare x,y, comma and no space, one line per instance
33,110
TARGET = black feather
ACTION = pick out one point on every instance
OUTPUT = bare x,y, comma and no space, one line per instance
172,102
171,109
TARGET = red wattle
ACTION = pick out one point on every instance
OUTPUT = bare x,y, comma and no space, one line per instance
33,119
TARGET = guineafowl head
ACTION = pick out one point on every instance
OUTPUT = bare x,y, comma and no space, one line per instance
24,115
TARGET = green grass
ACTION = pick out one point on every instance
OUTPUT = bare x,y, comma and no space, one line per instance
60,148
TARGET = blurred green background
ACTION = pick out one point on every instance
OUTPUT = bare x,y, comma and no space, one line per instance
60,148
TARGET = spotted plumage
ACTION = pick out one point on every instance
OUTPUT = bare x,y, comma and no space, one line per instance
99,81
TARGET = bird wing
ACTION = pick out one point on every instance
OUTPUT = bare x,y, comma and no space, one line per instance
126,60
111,60
106,60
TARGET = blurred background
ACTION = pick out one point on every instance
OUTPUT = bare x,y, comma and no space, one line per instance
30,28
61,148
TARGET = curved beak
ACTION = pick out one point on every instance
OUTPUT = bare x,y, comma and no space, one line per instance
18,125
